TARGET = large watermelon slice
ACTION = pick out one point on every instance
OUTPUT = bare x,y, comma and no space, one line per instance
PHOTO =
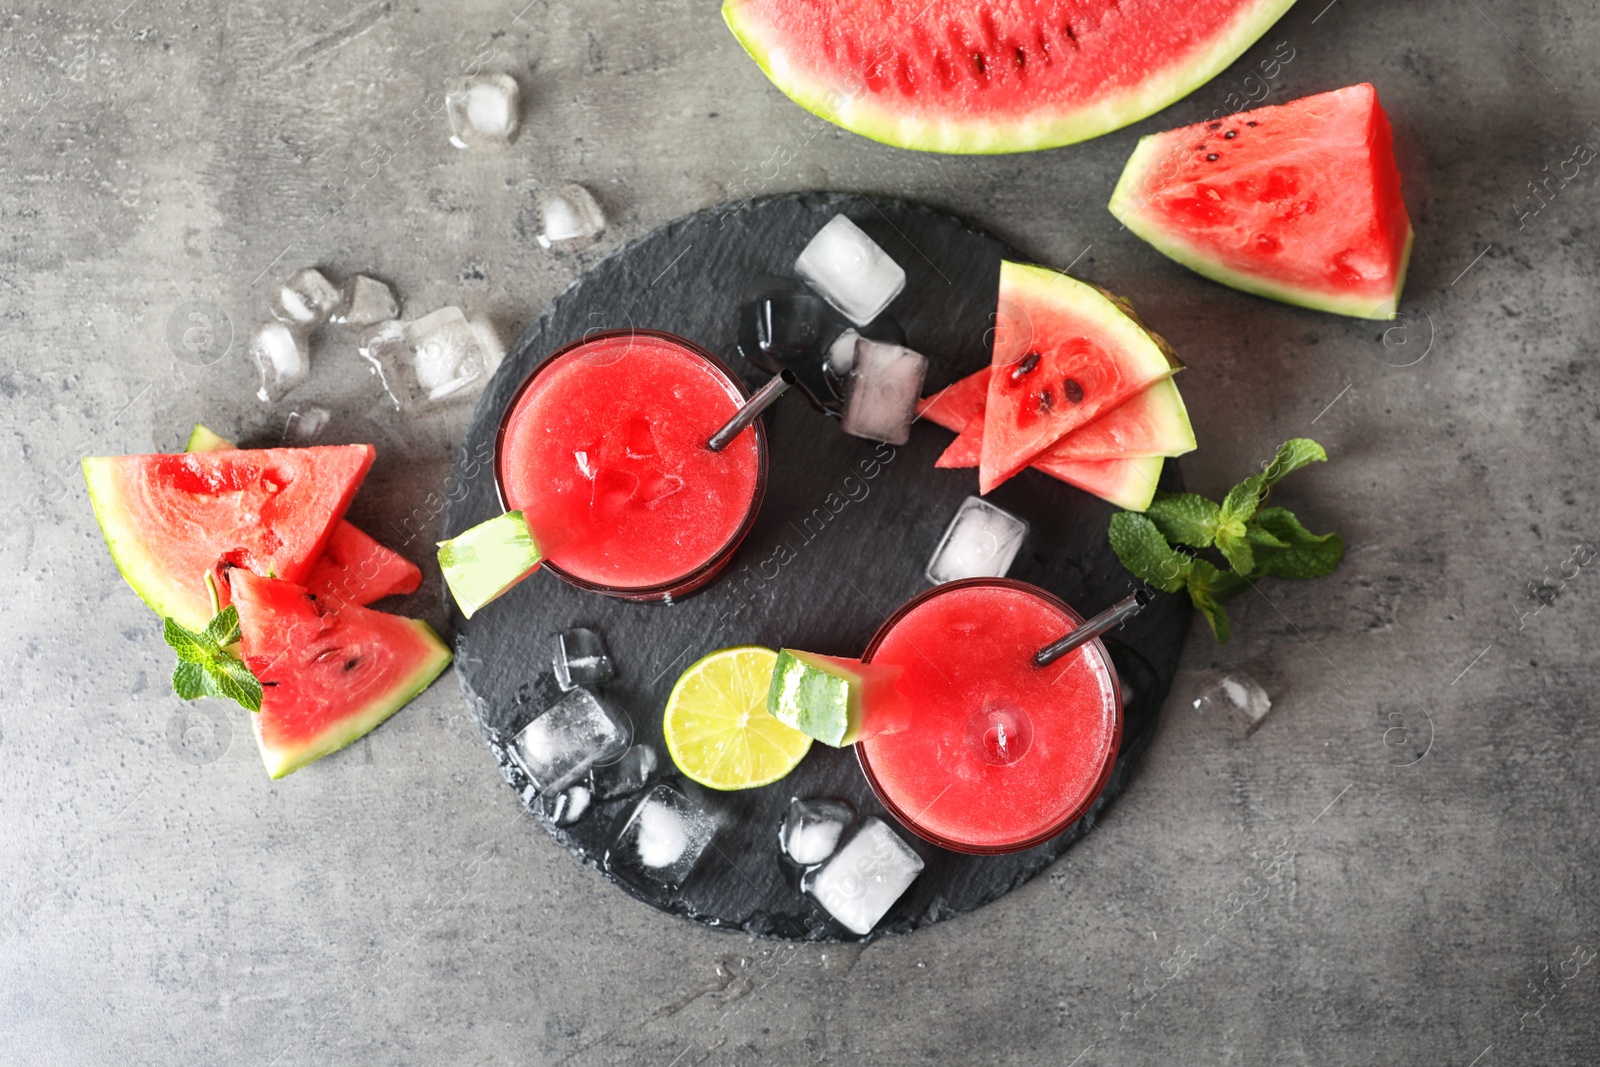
1152,423
353,566
171,520
1064,353
1127,481
1299,202
329,672
976,76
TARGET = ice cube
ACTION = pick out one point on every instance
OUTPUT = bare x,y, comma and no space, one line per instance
576,733
483,111
436,358
629,774
308,298
281,355
811,829
366,302
850,271
790,326
1237,695
662,840
862,881
842,354
304,427
980,542
570,805
885,386
580,659
569,212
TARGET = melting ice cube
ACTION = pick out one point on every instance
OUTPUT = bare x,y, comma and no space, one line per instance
569,805
662,840
811,829
483,111
862,881
1240,697
629,774
302,428
885,386
308,298
980,542
569,212
366,302
842,354
281,355
432,359
580,659
574,734
850,271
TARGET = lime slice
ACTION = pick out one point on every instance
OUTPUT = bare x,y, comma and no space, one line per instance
717,728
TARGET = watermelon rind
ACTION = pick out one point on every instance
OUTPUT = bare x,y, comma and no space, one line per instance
285,760
1047,125
204,439
1128,483
140,567
1126,200
484,562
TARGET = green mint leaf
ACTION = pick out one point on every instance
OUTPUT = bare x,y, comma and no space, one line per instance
189,680
224,629
1243,499
1304,555
1293,454
1234,544
1141,548
1208,587
1185,518
1263,538
232,680
190,646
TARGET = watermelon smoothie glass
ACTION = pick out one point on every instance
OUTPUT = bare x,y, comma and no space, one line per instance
604,448
999,754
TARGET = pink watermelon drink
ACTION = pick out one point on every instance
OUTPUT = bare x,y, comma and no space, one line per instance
604,450
1000,754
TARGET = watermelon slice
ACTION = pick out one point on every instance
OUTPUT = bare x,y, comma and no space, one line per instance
835,700
1127,481
1153,423
329,672
971,76
171,520
1064,353
353,566
1299,202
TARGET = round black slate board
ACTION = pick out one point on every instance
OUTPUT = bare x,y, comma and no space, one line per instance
860,522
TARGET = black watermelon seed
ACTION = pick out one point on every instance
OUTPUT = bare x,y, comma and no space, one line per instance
352,663
1212,157
1073,390
1252,122
1029,361
1230,135
1213,125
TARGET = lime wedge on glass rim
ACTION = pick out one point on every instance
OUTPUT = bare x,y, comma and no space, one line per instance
716,724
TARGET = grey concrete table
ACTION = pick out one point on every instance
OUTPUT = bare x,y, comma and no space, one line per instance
1422,795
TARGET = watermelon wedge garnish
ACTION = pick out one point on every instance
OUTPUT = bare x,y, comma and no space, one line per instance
353,566
172,520
329,672
974,76
1299,202
1064,353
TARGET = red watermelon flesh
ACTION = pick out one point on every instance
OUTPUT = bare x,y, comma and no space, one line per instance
356,569
1064,353
1299,202
171,520
1153,423
329,672
978,76
353,566
1127,481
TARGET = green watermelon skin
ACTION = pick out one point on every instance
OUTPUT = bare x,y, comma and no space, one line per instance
330,672
1298,202
169,521
970,76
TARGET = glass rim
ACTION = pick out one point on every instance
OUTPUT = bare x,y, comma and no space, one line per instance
700,575
1112,749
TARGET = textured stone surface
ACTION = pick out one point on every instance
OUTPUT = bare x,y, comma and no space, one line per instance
1398,867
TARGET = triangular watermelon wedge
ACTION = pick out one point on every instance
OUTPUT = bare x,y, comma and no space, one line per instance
1153,423
1064,353
171,520
329,672
353,566
1127,483
1299,202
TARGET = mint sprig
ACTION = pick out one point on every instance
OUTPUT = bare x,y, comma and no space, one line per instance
1180,540
204,666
